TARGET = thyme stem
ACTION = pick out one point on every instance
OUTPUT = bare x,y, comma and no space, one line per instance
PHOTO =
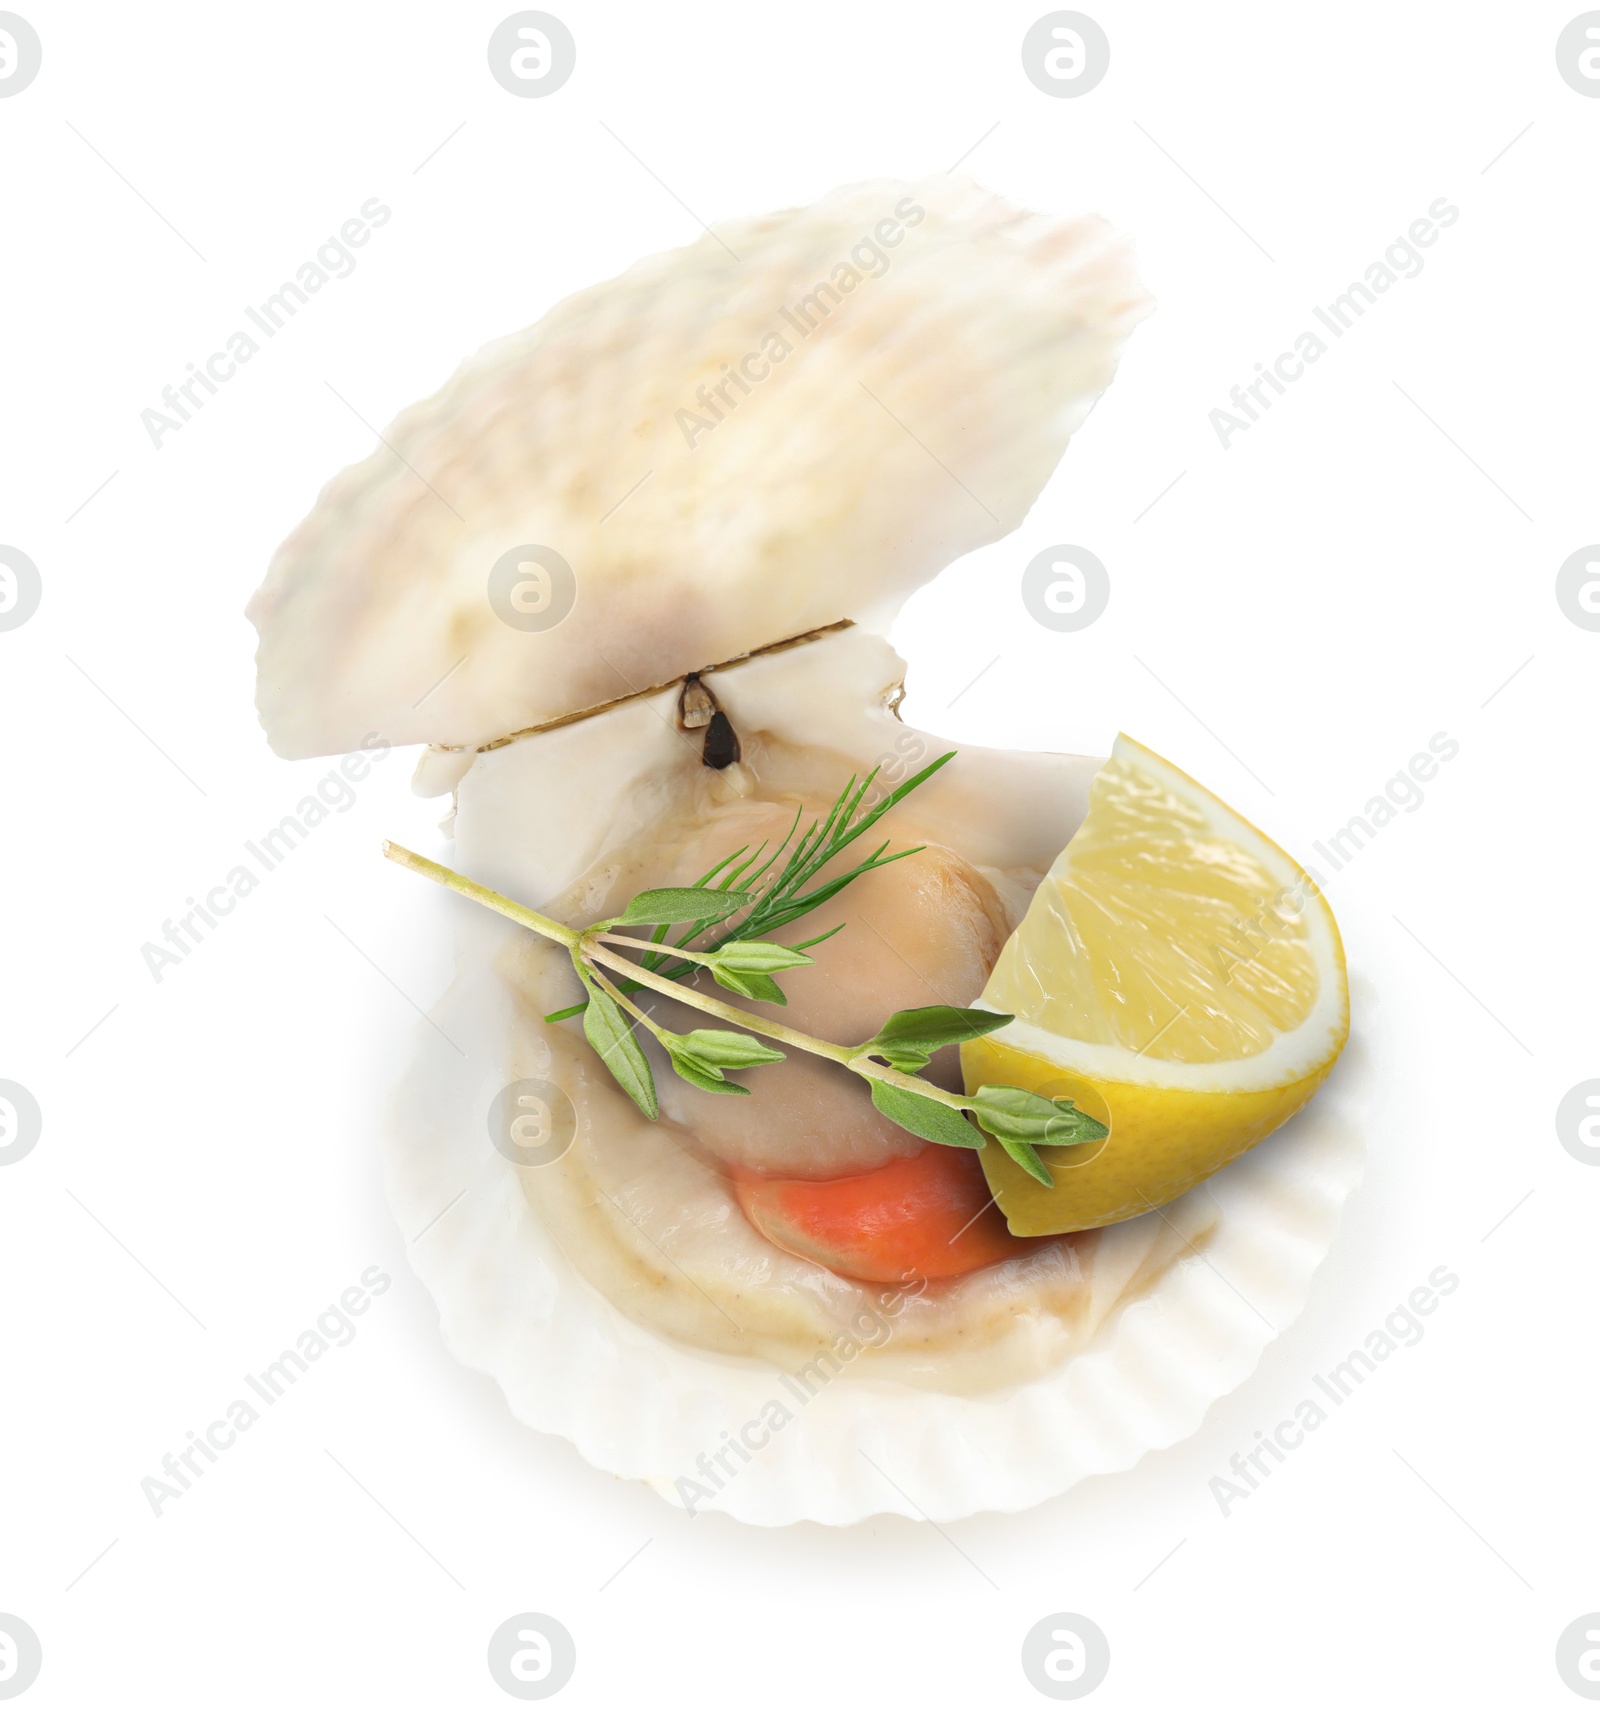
592,953
850,1057
545,925
612,937
609,987
584,945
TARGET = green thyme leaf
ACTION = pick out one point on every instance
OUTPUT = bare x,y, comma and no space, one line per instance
701,1074
701,1057
758,957
727,1049
683,904
1021,1121
1023,1154
1018,1115
806,945
923,1117
910,1038
752,984
611,1037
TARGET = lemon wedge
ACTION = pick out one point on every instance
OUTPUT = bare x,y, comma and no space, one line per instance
1178,976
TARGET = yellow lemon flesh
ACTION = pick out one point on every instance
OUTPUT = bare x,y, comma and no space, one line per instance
1180,978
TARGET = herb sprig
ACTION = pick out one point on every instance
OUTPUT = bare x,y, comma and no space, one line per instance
741,962
736,879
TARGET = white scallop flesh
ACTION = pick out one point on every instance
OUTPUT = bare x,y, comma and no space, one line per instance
924,930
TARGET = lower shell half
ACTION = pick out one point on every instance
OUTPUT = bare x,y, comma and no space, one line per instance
598,1267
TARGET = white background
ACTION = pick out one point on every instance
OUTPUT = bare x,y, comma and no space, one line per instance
1337,586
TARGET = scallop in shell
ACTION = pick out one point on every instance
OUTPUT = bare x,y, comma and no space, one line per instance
717,671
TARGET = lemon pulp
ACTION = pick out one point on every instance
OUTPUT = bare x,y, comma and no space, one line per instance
1178,975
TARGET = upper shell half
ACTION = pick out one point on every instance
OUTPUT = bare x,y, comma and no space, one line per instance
797,420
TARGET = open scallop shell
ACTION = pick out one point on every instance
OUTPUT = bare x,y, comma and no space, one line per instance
789,424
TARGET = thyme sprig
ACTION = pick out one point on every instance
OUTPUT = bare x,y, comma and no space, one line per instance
1018,1119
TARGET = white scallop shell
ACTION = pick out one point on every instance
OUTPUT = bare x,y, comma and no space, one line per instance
915,418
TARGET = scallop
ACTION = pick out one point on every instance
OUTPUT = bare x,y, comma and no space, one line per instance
717,477
926,931
647,1211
